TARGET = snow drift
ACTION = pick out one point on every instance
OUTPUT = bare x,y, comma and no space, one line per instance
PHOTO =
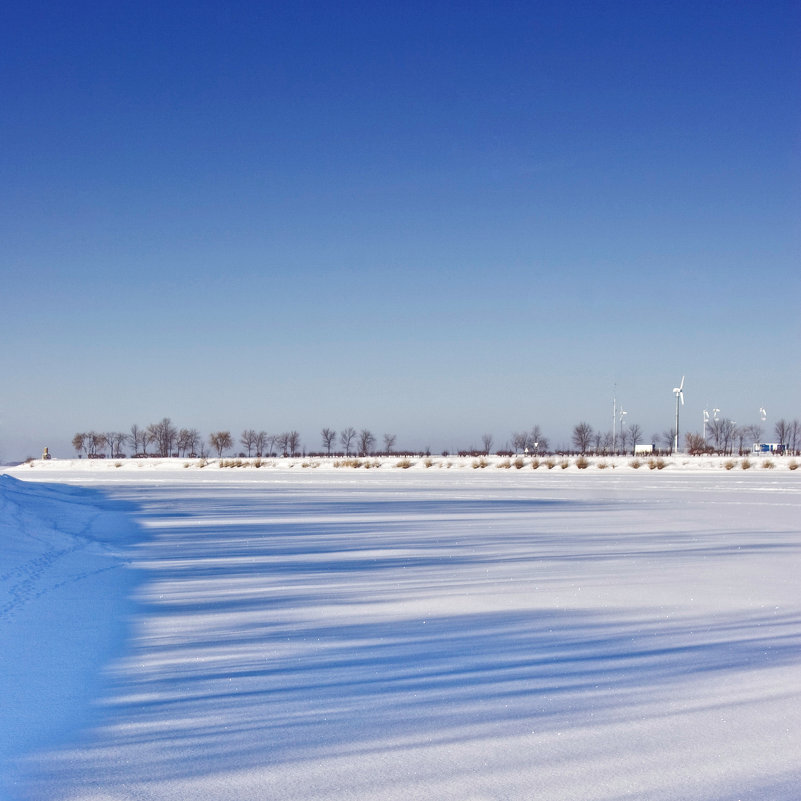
62,596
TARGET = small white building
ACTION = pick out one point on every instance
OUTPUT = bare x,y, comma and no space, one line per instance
768,447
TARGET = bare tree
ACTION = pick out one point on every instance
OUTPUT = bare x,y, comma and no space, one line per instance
282,441
538,441
293,442
221,441
182,441
739,435
695,444
80,443
134,438
389,442
635,435
261,443
721,432
782,431
329,437
163,434
248,440
753,433
366,441
794,435
519,441
582,436
98,441
151,432
486,441
196,443
118,440
667,439
346,437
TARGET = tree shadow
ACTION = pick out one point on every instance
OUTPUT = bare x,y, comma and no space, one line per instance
270,630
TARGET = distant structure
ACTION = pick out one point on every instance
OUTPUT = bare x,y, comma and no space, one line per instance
46,454
679,393
769,447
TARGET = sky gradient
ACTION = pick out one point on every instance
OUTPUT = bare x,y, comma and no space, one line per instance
429,219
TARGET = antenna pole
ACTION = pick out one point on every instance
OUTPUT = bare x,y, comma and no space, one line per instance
614,420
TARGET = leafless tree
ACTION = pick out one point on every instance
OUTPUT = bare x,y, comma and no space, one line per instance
782,431
80,443
635,435
98,441
794,435
486,441
538,441
582,437
261,443
695,444
248,440
389,442
163,434
329,437
721,432
729,435
346,437
282,443
118,440
293,442
134,438
187,441
221,441
667,439
753,433
366,442
519,441
151,432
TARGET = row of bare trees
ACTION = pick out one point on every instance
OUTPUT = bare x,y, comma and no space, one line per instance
160,439
586,439
165,439
724,436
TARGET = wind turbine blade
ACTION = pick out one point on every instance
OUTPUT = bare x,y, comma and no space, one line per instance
681,386
681,395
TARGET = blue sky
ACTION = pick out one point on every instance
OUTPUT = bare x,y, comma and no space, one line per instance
431,219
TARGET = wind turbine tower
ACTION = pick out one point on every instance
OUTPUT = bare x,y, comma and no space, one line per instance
679,393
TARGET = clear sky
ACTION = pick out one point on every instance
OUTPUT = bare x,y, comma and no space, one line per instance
425,218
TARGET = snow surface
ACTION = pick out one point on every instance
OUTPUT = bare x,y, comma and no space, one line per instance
300,634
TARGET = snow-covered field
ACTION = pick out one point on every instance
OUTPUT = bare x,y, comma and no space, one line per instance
302,633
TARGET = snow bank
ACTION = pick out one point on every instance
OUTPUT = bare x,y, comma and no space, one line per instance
62,595
564,465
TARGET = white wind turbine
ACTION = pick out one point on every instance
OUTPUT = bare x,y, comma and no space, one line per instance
763,415
679,393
